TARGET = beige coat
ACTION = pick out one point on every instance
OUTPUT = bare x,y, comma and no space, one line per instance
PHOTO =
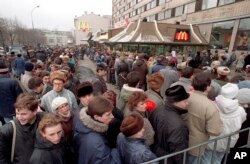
203,120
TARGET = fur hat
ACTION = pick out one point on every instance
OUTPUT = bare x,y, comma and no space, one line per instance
56,102
223,70
176,93
29,66
244,96
3,68
57,75
155,81
229,90
132,124
84,89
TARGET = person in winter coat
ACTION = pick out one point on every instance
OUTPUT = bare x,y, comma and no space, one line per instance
26,123
243,97
57,79
161,63
136,103
141,67
122,71
89,140
19,66
171,133
130,142
84,92
9,91
133,79
155,82
49,144
28,74
203,118
232,116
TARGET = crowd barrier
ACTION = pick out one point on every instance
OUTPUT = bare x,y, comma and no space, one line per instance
164,159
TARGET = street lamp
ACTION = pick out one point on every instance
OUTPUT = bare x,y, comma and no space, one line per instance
32,15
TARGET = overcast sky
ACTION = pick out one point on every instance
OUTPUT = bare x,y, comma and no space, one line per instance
52,14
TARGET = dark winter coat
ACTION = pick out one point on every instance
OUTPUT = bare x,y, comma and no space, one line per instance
90,143
25,140
140,66
9,90
171,133
46,152
133,151
99,85
19,66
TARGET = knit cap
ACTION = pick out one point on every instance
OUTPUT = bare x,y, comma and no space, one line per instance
56,102
244,96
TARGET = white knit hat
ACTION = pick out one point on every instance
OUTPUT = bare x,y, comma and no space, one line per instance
58,101
244,96
229,90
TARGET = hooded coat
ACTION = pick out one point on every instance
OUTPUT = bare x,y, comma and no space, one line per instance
124,94
140,66
46,152
232,115
90,143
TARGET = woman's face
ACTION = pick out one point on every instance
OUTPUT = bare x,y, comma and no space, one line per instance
141,106
63,109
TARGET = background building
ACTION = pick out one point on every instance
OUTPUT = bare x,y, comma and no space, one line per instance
90,23
58,38
225,24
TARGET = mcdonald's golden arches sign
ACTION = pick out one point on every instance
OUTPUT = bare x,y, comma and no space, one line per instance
182,36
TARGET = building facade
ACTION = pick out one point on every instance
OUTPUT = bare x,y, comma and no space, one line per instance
224,23
58,38
90,23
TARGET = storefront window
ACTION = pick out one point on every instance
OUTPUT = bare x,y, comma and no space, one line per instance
207,4
242,41
224,2
221,35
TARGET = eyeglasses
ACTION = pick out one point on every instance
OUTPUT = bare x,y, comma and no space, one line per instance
63,106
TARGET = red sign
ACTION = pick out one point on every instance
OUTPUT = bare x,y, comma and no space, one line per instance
182,36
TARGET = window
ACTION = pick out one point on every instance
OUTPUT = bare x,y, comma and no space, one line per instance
161,2
142,9
51,41
206,4
153,4
242,41
167,14
138,10
179,11
221,35
189,8
224,2
59,40
148,6
161,16
151,18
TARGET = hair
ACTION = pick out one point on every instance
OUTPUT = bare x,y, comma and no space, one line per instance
37,66
48,120
98,106
33,60
34,82
135,98
187,72
58,61
84,87
133,78
236,79
26,101
155,81
43,73
201,81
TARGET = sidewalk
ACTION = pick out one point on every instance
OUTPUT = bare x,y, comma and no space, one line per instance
89,64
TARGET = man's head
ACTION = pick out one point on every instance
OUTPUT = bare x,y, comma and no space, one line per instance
177,96
50,128
84,92
57,79
202,82
101,69
100,109
36,84
133,79
187,72
29,66
44,75
155,81
26,108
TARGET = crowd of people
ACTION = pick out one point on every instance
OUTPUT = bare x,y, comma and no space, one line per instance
166,103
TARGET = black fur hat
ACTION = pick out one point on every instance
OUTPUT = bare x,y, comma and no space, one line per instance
84,89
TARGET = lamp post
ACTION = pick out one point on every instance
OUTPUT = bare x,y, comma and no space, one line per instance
32,16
